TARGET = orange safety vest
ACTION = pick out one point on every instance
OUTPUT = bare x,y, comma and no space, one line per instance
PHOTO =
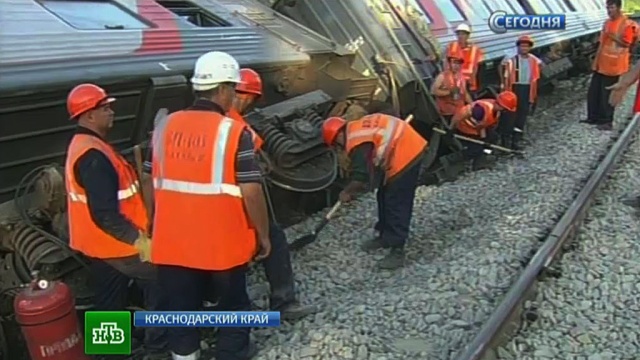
612,59
257,140
200,221
472,55
395,142
84,235
512,67
448,105
470,127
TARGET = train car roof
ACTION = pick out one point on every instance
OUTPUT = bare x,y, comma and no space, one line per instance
47,42
584,17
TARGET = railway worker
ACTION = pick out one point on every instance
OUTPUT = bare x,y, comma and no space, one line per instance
479,120
520,74
386,152
611,61
472,56
209,208
619,89
277,265
450,87
108,221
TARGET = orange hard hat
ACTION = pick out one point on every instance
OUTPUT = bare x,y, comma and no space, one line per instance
524,39
85,97
507,100
455,54
330,129
251,82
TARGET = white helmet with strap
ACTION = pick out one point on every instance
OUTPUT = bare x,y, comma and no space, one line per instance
213,69
464,27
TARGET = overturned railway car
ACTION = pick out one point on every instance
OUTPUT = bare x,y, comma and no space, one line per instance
316,57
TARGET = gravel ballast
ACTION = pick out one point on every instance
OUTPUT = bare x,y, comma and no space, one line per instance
590,312
470,239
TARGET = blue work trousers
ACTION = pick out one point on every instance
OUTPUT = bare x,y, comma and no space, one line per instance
395,206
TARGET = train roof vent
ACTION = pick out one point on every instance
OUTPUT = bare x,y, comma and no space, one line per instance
193,13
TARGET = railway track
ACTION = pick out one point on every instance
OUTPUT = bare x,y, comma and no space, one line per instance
470,241
564,326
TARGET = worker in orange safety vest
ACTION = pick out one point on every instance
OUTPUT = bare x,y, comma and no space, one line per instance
277,265
520,74
611,61
450,87
108,220
472,55
209,208
385,152
479,120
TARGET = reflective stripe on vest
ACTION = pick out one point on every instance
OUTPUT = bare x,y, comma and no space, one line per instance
470,65
534,75
122,194
388,134
216,186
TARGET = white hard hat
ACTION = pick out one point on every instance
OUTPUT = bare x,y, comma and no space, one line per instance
464,27
214,68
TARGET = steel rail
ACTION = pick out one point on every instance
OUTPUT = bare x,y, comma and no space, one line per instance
492,332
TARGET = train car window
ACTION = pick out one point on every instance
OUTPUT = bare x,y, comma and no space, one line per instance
504,5
474,6
192,13
569,5
93,14
539,7
450,11
554,6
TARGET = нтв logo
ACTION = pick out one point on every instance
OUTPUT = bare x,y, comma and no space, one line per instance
107,333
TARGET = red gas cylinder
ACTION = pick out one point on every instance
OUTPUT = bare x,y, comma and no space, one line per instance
47,315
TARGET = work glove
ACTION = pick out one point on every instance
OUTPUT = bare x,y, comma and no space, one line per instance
143,245
532,108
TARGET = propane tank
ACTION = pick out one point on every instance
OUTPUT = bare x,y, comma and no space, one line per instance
47,316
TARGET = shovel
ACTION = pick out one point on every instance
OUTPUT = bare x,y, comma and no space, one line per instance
480,142
299,243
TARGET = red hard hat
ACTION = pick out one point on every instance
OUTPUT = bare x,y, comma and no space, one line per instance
250,82
85,97
330,129
524,38
507,100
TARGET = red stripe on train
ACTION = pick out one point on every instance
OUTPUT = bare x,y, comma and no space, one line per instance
165,37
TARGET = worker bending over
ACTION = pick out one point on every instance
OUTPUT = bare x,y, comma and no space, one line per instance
450,87
520,74
107,216
209,208
385,152
277,265
611,61
472,56
479,120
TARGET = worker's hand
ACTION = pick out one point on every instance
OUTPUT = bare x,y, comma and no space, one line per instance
345,197
264,248
532,108
143,245
618,90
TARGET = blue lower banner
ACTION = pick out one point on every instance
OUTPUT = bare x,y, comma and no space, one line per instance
206,319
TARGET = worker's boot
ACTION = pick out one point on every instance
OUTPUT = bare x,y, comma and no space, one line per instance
393,260
279,273
373,244
633,201
481,162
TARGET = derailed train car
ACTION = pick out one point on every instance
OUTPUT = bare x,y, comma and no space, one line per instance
316,57
399,39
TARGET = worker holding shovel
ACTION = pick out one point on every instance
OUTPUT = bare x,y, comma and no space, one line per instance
381,142
478,121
